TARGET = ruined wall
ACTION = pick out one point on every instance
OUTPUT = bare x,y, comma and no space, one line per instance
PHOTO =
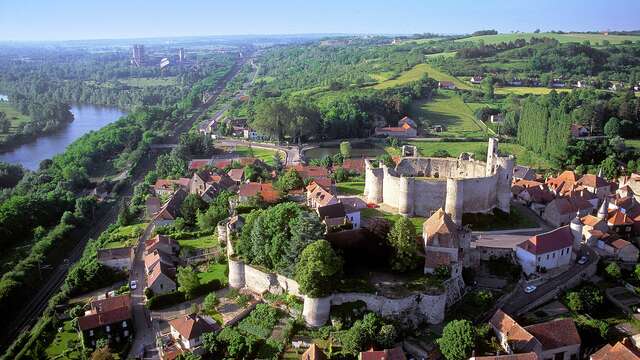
481,194
429,196
242,275
373,182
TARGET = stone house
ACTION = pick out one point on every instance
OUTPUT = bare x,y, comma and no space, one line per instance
109,318
444,244
446,85
620,223
556,339
201,179
562,210
266,192
171,210
622,350
166,187
625,251
116,258
319,196
162,278
595,185
187,330
163,243
546,251
523,173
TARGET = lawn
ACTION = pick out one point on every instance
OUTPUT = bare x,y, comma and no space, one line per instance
142,82
563,38
64,344
449,110
125,236
214,271
446,54
516,219
13,115
265,155
416,73
371,213
479,148
202,242
524,90
350,188
633,143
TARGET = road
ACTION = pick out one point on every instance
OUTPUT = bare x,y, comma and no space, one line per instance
521,299
29,314
144,334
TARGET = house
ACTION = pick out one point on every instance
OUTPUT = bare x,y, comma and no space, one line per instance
162,278
581,84
514,82
239,161
211,193
236,175
622,350
562,183
209,126
318,173
476,80
496,119
313,353
251,134
446,85
555,339
395,353
171,210
319,195
197,164
252,189
443,244
353,165
561,210
625,251
595,185
163,243
593,228
109,318
116,258
524,356
201,179
578,131
403,131
546,251
620,223
352,211
158,257
187,330
336,215
166,187
409,121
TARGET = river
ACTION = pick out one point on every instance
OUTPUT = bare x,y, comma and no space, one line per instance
86,118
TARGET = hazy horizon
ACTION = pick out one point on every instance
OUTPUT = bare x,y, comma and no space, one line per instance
40,20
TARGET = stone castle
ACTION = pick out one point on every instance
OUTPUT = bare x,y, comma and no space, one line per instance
419,186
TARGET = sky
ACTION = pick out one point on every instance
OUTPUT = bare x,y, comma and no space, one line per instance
111,19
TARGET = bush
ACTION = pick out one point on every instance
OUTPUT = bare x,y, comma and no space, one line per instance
260,322
165,300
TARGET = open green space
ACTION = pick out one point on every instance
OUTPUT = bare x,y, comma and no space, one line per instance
517,218
350,188
214,272
449,110
443,54
563,38
635,143
416,73
373,213
266,155
142,82
125,236
525,90
202,242
14,116
66,344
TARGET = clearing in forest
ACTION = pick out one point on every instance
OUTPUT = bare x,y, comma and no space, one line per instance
449,110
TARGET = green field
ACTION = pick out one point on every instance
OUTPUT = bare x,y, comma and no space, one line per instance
525,90
13,115
215,271
446,54
350,188
66,344
563,38
265,155
125,236
202,242
416,73
150,81
449,110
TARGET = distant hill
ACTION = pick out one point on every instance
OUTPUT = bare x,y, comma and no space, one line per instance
563,38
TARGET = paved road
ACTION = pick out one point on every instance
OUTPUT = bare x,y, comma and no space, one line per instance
521,299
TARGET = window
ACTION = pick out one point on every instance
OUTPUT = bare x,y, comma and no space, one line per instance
547,256
108,328
554,255
124,324
539,258
90,332
126,333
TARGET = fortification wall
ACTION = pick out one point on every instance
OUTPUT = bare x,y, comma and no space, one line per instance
429,196
390,189
479,194
242,275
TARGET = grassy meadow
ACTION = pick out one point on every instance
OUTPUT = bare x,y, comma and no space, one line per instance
13,115
449,110
563,38
143,82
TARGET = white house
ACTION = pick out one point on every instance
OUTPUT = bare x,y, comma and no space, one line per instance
187,330
253,135
546,251
116,258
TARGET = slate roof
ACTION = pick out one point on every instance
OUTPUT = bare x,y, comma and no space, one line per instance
523,172
331,211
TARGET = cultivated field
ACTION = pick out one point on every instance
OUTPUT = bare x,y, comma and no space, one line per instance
415,73
563,38
524,90
449,110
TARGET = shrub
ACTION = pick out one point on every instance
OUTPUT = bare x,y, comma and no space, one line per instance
260,322
165,300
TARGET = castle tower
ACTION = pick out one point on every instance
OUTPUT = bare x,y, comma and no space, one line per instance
454,200
405,202
604,209
504,171
492,155
373,183
576,231
237,278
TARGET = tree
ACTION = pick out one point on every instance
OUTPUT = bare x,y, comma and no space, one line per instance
636,271
612,127
211,343
317,268
102,353
387,336
402,238
289,180
487,88
457,341
277,160
188,356
345,149
5,124
238,346
573,301
613,271
190,207
10,174
188,281
609,168
210,302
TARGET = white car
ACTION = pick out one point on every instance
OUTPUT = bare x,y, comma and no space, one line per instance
134,284
583,260
529,289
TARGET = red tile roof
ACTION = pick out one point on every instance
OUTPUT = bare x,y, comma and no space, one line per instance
518,338
592,181
554,240
192,326
198,163
236,174
266,191
106,311
525,356
356,165
620,243
617,218
555,334
618,351
388,354
440,230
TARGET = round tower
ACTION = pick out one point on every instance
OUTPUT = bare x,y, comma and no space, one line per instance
504,172
576,231
453,204
236,274
405,200
316,310
373,183
604,209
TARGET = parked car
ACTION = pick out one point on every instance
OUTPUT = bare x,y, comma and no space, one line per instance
529,289
134,284
583,260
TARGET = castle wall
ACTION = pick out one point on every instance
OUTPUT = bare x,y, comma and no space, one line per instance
373,184
429,196
480,194
390,189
